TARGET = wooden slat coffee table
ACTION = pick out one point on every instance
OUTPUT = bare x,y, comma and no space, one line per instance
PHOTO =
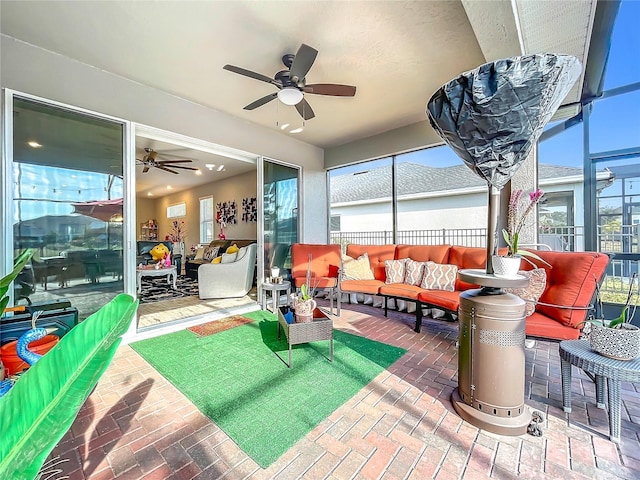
321,328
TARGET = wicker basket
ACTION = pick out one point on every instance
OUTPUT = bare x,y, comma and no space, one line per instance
618,343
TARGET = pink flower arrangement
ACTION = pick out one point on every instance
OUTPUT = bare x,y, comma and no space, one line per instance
178,232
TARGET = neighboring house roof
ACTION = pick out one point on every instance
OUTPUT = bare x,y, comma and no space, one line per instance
413,178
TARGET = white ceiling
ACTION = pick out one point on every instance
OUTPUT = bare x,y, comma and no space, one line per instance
397,53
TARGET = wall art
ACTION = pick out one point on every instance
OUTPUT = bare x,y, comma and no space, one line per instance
249,209
226,213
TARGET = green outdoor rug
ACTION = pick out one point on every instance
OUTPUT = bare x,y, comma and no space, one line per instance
236,379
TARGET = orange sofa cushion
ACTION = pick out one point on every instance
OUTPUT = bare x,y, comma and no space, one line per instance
424,253
369,287
402,290
377,255
467,257
441,299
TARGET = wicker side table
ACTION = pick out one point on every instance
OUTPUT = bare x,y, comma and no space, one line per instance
321,328
579,353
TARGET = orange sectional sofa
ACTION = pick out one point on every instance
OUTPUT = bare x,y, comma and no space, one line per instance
559,312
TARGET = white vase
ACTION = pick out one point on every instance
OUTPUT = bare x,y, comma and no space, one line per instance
505,267
304,310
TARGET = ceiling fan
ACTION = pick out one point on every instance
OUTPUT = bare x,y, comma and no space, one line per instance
292,83
149,160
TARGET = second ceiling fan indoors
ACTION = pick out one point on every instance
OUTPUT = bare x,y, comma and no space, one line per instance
149,161
291,83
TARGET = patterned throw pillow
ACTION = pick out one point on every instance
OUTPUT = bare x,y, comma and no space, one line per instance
209,253
394,270
530,294
439,277
199,254
413,272
359,269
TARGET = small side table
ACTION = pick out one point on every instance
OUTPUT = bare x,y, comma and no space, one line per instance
275,289
579,353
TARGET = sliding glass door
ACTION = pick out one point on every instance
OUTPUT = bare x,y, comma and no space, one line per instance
67,196
280,209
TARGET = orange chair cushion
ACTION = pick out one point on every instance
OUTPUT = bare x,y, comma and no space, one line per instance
570,283
538,325
326,261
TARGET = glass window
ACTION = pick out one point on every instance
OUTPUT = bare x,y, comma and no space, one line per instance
177,210
361,196
206,219
614,123
439,199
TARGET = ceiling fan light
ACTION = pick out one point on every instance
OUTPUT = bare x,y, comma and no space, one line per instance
297,130
290,96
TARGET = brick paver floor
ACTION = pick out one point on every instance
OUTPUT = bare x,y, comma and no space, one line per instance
136,425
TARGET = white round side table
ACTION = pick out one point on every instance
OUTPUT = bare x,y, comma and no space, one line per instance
275,289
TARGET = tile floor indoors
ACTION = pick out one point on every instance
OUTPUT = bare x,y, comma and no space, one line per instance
136,425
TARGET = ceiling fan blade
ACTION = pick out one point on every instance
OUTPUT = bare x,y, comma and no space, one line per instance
302,62
333,89
250,74
305,110
178,166
261,101
145,169
166,169
174,161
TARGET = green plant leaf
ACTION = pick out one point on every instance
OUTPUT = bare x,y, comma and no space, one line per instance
620,320
507,239
526,253
43,403
18,265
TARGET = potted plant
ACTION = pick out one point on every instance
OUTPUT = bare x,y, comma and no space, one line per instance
617,338
508,266
305,304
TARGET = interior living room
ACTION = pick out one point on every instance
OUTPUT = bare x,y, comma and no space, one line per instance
172,172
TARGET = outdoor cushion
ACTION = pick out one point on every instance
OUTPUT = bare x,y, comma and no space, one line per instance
359,269
413,272
441,298
467,257
424,253
377,255
394,270
370,287
402,290
531,293
538,325
439,277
